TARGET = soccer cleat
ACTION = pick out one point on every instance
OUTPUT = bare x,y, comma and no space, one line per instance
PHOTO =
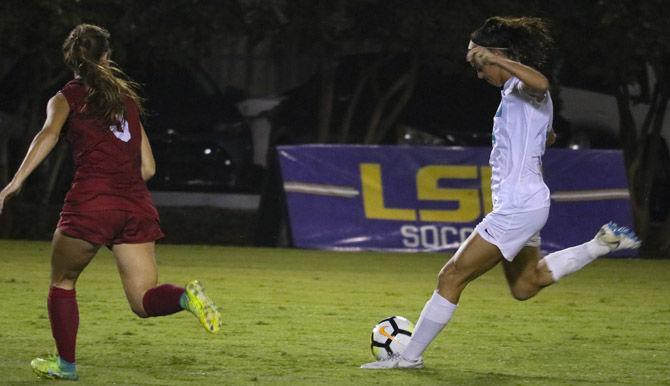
50,368
200,305
395,361
617,238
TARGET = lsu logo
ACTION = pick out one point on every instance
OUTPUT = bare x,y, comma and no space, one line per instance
472,203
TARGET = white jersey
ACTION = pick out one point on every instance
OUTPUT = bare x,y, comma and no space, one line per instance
520,129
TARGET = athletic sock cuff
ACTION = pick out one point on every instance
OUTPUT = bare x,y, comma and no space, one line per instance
441,301
596,249
65,365
60,293
438,309
554,266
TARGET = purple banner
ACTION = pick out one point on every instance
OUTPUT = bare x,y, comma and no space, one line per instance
404,198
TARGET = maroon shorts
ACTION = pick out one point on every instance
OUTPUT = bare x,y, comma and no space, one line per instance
110,227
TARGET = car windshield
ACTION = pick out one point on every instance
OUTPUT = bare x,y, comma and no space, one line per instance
185,99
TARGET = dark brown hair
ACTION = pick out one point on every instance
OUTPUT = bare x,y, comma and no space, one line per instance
107,84
525,39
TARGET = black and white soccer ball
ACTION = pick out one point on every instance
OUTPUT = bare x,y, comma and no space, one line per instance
391,336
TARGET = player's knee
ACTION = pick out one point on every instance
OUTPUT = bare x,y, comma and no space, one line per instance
448,276
64,278
450,282
522,295
443,277
524,291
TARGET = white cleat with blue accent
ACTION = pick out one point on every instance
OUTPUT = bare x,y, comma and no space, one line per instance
617,237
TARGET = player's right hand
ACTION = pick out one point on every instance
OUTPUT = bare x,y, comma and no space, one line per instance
479,56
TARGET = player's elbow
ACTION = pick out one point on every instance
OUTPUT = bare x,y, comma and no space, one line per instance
148,172
541,86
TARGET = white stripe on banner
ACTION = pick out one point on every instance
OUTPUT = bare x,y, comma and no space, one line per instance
320,189
218,200
590,195
559,196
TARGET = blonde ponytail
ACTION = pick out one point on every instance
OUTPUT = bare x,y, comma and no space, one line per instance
107,84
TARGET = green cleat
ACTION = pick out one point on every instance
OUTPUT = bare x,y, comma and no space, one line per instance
50,368
200,305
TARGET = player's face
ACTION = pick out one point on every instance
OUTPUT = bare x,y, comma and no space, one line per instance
104,59
487,72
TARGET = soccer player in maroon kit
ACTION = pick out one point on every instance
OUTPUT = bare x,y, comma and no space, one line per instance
108,203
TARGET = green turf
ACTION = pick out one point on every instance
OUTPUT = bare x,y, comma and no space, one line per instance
304,317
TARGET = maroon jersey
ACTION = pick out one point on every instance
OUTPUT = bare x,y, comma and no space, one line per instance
107,158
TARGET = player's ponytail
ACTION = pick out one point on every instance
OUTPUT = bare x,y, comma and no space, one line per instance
525,39
107,84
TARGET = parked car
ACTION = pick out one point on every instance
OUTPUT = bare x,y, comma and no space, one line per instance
200,139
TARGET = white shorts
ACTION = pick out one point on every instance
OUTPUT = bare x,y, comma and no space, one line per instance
511,232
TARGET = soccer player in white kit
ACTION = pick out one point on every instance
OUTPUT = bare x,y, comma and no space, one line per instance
506,52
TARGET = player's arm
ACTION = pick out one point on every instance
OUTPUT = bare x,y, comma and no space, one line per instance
148,167
533,82
45,140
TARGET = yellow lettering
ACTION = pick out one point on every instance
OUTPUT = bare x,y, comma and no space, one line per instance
373,196
427,189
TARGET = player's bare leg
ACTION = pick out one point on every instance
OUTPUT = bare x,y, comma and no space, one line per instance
527,274
137,266
68,259
475,257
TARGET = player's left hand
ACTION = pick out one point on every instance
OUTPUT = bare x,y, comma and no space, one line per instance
551,137
10,190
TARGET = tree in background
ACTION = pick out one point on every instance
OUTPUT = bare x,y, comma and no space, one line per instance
370,53
32,69
627,51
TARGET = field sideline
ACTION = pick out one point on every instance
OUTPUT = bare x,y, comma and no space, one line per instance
304,317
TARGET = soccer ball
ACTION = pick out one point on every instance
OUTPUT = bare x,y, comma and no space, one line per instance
390,336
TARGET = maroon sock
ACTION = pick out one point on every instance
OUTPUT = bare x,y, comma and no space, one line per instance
64,317
162,300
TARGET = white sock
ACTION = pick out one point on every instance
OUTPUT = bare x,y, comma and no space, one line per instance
570,260
435,315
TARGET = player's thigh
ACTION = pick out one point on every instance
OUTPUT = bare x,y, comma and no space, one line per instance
475,257
137,267
523,269
69,257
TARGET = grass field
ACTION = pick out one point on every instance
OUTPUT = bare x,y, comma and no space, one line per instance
304,317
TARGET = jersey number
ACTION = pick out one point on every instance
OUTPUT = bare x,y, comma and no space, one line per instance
122,133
